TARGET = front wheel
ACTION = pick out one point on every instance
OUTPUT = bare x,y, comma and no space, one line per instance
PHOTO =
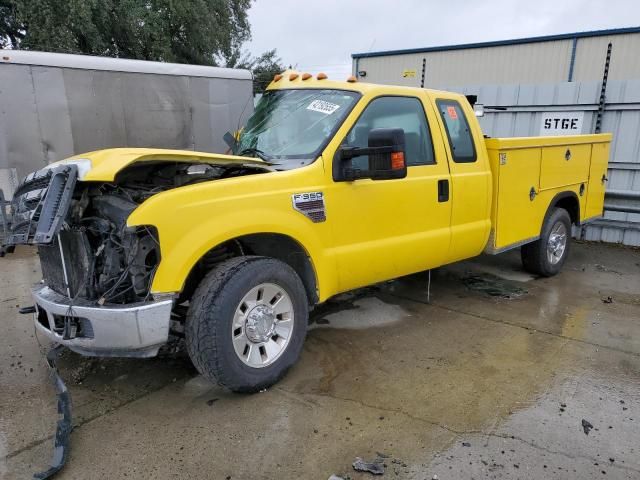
547,255
247,323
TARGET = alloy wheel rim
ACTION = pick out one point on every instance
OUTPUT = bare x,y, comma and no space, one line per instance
557,243
262,325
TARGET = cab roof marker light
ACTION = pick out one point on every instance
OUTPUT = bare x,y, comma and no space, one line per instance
293,76
351,79
306,76
277,77
322,76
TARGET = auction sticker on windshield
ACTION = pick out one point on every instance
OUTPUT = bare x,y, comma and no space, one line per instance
323,107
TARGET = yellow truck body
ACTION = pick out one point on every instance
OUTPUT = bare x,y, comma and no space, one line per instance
333,186
374,230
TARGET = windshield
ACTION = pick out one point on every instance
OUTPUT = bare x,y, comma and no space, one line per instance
294,124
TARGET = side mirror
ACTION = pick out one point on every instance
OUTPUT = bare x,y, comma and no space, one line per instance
230,140
386,152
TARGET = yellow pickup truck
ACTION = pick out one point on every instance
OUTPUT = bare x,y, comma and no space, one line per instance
330,186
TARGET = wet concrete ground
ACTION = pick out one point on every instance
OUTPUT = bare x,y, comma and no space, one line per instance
492,379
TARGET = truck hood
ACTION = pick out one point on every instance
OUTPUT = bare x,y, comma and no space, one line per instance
104,165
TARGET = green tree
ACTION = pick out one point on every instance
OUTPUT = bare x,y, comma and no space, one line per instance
264,67
10,32
182,31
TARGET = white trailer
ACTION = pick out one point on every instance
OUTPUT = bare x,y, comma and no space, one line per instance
53,106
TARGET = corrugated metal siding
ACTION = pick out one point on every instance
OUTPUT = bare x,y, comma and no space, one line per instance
541,62
525,105
591,53
544,62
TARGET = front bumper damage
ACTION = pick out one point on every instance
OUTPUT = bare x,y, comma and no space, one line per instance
133,330
64,424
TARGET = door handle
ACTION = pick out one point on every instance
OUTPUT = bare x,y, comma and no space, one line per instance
443,190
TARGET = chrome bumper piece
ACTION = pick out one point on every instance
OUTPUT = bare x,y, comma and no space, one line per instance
136,330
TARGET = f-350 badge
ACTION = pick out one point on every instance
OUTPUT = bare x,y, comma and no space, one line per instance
311,205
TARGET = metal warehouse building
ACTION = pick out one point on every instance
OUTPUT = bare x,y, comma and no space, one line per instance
571,57
590,77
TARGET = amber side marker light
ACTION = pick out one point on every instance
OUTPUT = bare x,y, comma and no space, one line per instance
293,76
351,79
277,77
397,160
306,76
322,76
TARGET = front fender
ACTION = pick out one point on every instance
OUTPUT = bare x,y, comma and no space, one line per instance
192,220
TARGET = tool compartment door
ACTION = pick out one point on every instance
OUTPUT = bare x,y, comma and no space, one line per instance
517,217
597,180
564,165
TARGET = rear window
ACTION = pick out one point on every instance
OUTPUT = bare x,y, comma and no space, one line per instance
458,131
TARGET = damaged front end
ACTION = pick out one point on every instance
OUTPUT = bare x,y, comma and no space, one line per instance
86,250
95,296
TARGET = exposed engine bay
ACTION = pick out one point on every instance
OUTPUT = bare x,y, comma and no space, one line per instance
93,255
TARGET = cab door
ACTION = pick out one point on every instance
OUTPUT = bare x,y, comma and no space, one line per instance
383,229
470,177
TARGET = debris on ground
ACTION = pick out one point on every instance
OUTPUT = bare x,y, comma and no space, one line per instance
609,299
335,477
376,467
84,369
64,426
466,444
586,426
602,268
212,401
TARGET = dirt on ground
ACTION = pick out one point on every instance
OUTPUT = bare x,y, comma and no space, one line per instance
491,375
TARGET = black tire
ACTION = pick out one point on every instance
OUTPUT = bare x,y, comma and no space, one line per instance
211,313
534,255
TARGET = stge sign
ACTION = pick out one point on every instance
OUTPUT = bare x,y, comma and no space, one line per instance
561,123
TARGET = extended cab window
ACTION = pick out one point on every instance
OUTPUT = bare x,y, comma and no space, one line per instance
458,131
394,112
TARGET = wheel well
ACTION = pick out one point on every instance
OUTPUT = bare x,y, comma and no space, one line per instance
569,201
274,245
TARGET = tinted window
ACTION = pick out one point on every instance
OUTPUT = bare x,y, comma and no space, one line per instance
394,112
460,138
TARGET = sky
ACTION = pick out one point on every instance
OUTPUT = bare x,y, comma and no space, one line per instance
320,36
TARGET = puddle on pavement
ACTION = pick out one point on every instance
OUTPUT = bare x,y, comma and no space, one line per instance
492,285
353,314
516,275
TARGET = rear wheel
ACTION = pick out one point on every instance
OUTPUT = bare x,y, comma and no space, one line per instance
247,322
547,255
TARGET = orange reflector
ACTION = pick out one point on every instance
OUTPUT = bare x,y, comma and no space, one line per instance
397,160
352,79
277,77
306,76
293,76
322,76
